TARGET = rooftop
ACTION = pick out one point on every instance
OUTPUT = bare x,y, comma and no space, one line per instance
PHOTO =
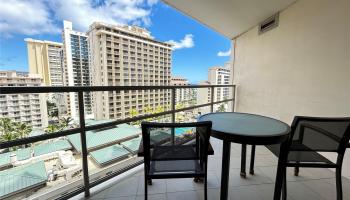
22,178
41,149
104,137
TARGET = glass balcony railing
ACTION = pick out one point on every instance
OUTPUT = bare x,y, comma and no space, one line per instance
58,164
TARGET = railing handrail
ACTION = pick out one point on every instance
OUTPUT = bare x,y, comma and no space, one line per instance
54,89
83,128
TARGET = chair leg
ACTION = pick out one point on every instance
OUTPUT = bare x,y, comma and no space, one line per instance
339,184
252,160
205,187
243,160
280,171
146,184
296,171
284,191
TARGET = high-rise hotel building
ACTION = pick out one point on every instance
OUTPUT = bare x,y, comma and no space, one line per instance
220,76
128,56
216,76
27,108
77,71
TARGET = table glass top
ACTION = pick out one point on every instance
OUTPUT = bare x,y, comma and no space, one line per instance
245,124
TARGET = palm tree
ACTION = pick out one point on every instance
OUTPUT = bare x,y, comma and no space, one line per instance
23,129
159,109
148,110
179,105
52,128
65,122
8,130
134,113
52,109
10,135
5,125
221,108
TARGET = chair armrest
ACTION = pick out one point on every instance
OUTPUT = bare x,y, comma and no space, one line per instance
140,152
320,130
210,150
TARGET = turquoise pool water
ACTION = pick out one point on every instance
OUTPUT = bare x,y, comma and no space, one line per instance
180,131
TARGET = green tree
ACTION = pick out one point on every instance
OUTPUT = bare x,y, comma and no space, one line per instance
10,135
23,130
134,113
10,130
64,122
179,105
5,125
52,128
148,110
52,109
159,109
221,108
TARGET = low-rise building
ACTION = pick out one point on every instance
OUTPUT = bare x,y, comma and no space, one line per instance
27,108
183,95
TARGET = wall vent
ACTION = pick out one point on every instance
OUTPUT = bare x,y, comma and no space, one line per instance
268,24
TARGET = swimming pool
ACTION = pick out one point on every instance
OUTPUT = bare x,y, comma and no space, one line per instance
180,131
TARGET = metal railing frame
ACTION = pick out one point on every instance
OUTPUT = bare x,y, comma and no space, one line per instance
83,128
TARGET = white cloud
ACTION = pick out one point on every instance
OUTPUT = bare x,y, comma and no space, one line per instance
224,53
152,2
83,12
45,16
186,42
25,17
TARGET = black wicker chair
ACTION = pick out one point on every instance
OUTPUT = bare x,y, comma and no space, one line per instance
168,156
309,136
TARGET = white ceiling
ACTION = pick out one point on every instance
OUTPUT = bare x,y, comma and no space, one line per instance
229,17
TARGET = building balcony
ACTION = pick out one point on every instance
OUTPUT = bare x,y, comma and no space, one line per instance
106,156
298,66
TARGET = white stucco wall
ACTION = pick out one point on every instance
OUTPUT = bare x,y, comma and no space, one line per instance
302,67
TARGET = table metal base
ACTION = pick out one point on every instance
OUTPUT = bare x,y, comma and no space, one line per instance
225,169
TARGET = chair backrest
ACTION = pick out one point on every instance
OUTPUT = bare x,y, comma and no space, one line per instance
171,135
322,134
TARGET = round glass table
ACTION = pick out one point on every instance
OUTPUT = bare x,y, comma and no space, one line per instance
245,128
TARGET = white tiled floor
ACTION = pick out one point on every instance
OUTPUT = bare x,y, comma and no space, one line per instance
312,184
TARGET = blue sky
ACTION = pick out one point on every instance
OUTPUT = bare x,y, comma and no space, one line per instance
197,46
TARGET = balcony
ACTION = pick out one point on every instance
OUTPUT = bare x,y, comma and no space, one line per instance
112,178
299,66
311,184
98,150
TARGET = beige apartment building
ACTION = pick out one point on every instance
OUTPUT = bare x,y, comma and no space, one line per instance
27,108
45,59
128,56
182,95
